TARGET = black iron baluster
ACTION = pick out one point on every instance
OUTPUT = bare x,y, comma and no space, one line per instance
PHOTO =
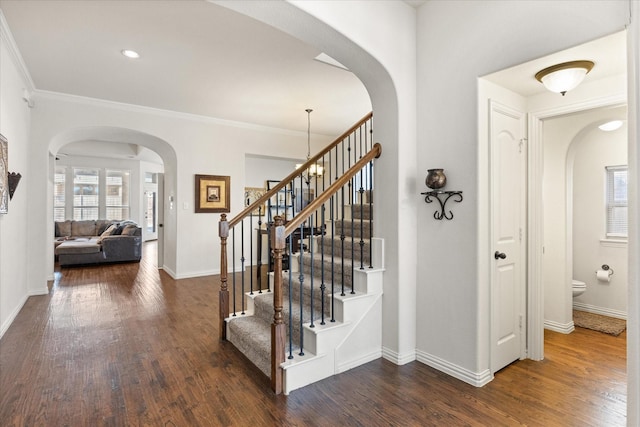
322,285
370,214
342,236
233,271
301,298
259,256
242,258
362,223
251,252
290,300
311,325
353,238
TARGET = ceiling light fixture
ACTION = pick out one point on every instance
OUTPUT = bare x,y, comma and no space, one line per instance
561,78
132,54
610,126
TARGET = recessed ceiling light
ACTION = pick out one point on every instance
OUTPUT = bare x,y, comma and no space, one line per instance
130,53
609,126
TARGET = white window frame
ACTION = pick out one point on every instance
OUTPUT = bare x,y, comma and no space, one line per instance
615,229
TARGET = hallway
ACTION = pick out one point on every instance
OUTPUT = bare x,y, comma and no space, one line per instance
124,345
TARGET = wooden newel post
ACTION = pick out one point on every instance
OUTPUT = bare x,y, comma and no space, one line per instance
277,328
223,300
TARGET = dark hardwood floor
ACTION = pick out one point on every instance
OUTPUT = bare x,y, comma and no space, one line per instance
126,345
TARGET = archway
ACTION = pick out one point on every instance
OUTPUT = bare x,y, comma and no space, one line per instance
166,239
389,77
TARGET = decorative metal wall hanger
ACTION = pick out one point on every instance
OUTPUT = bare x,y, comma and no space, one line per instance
436,179
442,197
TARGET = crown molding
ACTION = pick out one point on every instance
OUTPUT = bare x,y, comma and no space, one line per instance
134,108
16,56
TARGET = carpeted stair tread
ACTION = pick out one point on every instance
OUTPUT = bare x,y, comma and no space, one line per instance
361,211
263,308
252,336
355,227
351,247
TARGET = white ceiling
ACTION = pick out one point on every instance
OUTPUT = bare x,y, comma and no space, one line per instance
201,58
608,53
196,57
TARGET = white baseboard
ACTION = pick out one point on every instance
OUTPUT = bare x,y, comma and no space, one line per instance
12,316
39,291
397,358
191,274
600,310
359,361
563,328
477,379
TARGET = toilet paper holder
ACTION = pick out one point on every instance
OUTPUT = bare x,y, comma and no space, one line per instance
606,268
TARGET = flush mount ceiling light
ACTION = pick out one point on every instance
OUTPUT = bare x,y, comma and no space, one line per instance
561,78
132,54
610,126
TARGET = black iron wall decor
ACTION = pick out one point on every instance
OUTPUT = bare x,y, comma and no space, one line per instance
14,179
436,179
4,175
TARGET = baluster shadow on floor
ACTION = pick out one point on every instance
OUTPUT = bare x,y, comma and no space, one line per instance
125,344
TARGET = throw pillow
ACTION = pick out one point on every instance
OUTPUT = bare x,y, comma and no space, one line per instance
129,230
63,228
109,231
118,230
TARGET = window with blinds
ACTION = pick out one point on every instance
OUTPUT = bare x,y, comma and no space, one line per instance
617,201
59,182
117,201
86,192
91,193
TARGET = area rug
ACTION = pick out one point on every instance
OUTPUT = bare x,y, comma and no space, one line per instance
596,322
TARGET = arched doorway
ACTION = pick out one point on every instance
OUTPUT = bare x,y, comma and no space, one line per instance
137,147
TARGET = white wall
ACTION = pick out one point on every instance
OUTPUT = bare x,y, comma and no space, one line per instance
260,168
485,36
594,151
15,116
200,146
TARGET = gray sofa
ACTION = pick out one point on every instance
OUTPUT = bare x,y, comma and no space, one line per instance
97,242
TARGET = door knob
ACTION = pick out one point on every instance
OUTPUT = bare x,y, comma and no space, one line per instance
499,255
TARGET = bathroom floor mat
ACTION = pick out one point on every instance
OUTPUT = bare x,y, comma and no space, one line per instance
596,322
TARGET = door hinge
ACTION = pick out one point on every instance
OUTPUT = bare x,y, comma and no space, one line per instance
520,235
520,322
522,142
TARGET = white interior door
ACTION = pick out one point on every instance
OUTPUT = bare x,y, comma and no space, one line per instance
160,211
150,204
508,215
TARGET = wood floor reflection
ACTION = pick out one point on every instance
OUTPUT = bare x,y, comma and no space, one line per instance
126,345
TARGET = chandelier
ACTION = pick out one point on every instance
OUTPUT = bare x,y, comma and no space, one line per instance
314,169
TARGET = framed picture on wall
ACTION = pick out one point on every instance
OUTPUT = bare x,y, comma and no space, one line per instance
4,175
213,193
251,194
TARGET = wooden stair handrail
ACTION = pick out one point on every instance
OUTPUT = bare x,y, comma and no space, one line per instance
316,203
269,194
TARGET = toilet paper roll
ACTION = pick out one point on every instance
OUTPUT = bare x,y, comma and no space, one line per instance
603,275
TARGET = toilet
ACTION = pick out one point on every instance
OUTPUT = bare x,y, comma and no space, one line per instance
578,287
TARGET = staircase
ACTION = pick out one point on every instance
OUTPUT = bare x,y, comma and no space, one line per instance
321,313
